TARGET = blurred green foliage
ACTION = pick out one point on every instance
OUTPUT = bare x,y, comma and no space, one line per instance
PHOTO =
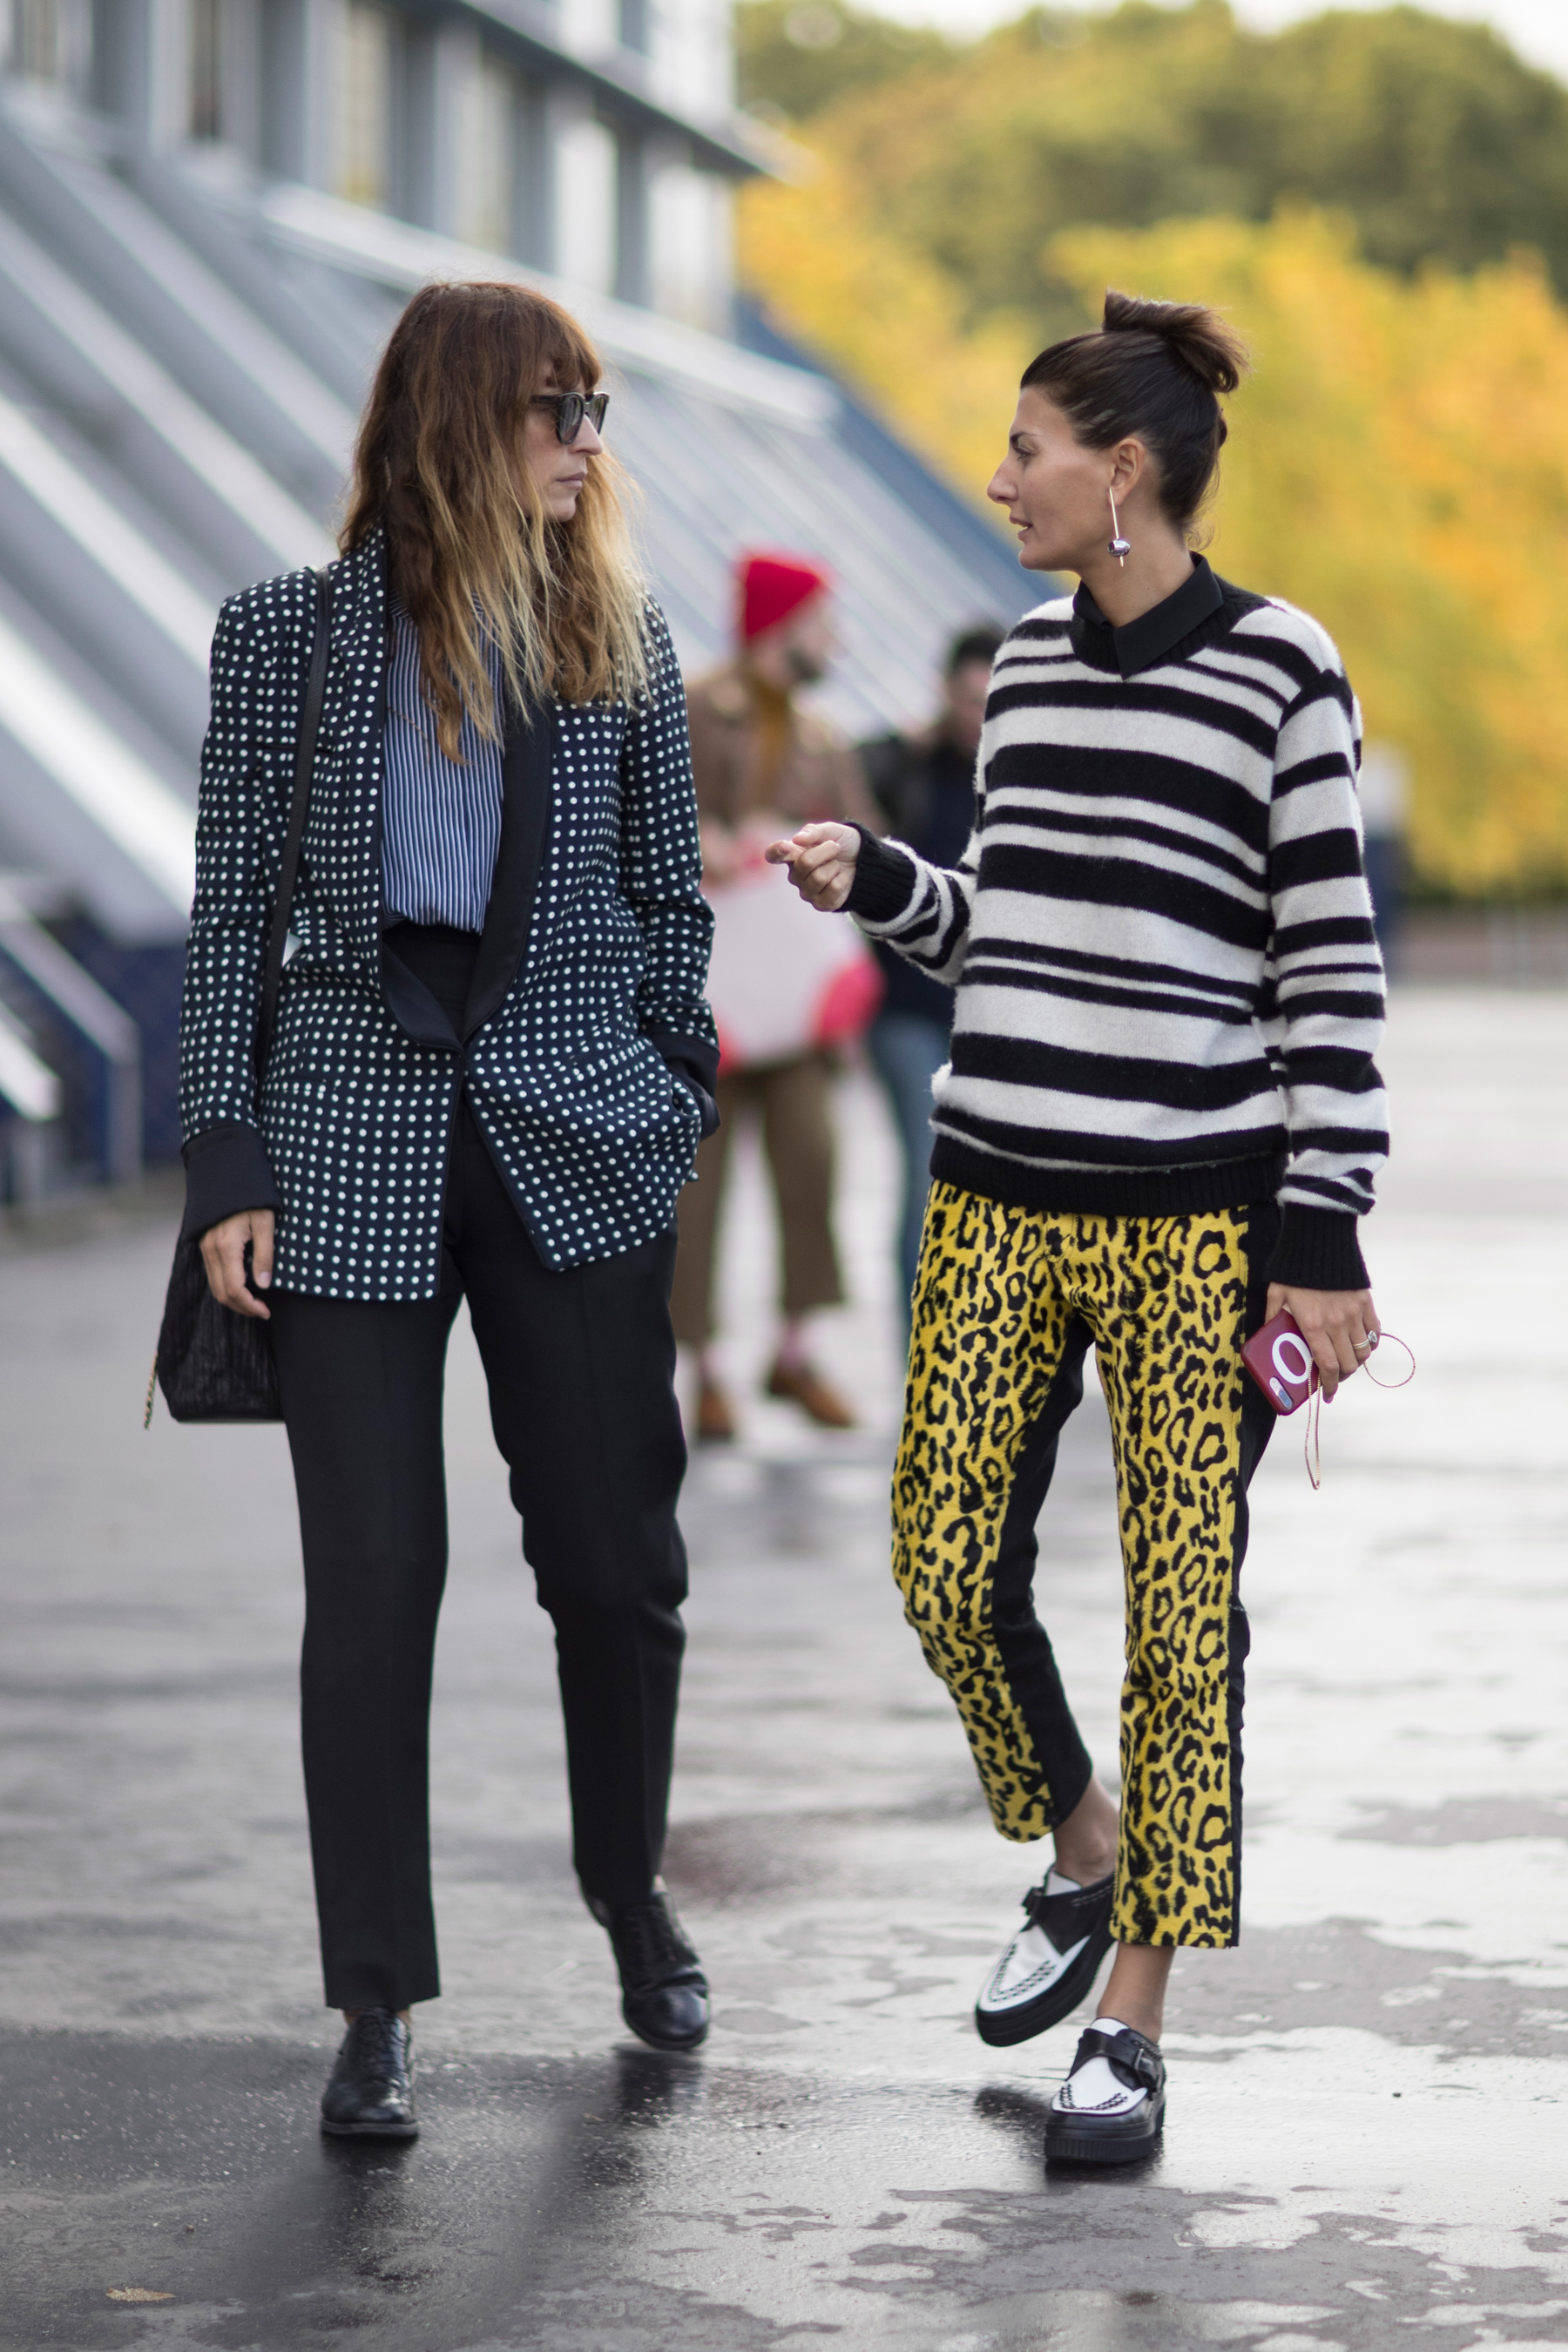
1436,140
795,56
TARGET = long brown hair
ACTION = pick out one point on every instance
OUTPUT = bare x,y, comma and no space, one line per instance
471,554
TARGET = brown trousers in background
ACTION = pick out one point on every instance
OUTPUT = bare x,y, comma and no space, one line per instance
793,1102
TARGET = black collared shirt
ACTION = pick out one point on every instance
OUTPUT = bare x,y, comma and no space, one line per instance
1159,632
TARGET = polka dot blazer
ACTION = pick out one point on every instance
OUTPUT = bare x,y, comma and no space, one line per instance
590,1079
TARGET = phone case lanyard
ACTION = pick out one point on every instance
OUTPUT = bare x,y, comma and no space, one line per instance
1312,1436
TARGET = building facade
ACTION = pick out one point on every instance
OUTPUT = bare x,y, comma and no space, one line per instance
595,139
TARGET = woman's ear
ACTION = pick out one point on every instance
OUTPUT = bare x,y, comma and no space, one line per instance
1128,465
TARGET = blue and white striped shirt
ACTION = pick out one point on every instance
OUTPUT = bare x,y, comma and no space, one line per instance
440,817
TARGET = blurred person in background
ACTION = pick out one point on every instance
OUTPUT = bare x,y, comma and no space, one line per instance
491,1066
923,785
761,763
1159,1126
1384,817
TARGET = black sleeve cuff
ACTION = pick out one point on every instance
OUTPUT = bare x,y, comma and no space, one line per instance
884,880
1317,1250
695,1062
227,1169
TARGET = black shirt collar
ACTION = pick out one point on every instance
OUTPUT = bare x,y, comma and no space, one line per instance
1150,636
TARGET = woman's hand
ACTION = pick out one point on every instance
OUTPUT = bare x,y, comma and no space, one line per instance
821,861
223,1254
1341,1327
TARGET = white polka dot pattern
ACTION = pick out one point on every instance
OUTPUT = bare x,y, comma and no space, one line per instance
594,1136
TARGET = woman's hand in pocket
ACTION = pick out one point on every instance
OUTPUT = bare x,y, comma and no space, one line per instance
223,1254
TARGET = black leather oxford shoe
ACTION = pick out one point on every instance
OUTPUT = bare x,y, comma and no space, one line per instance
371,2093
664,1993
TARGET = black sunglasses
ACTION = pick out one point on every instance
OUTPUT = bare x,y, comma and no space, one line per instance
571,408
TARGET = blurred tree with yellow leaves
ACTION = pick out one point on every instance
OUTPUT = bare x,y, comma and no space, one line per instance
1396,466
1440,142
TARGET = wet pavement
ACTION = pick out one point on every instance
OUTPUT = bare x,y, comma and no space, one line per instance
1368,2140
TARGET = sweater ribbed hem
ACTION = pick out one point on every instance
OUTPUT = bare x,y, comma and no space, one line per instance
1109,1191
884,880
1318,1249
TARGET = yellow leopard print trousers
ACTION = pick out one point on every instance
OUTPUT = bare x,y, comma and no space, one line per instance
1006,1303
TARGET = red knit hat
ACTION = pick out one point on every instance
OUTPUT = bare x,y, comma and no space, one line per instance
773,587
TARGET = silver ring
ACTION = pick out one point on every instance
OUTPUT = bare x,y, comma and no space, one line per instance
1361,1346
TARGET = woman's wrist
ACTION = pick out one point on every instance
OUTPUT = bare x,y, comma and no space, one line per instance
884,880
227,1171
1318,1249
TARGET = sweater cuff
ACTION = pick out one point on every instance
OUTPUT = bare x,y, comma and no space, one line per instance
1317,1250
227,1169
884,880
695,1062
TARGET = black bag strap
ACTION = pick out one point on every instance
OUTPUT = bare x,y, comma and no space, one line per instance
293,840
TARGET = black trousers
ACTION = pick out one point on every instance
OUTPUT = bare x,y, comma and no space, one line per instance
580,1367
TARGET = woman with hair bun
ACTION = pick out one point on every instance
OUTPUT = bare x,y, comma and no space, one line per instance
1159,1125
492,1066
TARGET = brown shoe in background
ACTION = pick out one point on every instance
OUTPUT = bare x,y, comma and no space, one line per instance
805,1387
715,1414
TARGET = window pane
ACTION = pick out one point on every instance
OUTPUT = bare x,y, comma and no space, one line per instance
688,246
206,69
586,206
51,41
485,157
364,105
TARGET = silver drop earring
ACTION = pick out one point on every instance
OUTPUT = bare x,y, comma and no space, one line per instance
1120,548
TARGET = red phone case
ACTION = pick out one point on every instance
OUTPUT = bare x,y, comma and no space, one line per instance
1281,1363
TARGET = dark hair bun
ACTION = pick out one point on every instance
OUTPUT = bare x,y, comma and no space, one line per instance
1154,369
1196,335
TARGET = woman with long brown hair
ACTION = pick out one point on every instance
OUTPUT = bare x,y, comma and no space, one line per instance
492,1066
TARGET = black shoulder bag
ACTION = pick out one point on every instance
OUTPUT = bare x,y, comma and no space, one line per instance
212,1364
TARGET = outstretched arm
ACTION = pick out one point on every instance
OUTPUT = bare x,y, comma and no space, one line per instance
920,911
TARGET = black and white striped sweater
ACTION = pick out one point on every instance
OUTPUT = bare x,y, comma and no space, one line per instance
1169,987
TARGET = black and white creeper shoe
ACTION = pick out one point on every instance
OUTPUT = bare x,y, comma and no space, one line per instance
1051,1965
1112,2108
